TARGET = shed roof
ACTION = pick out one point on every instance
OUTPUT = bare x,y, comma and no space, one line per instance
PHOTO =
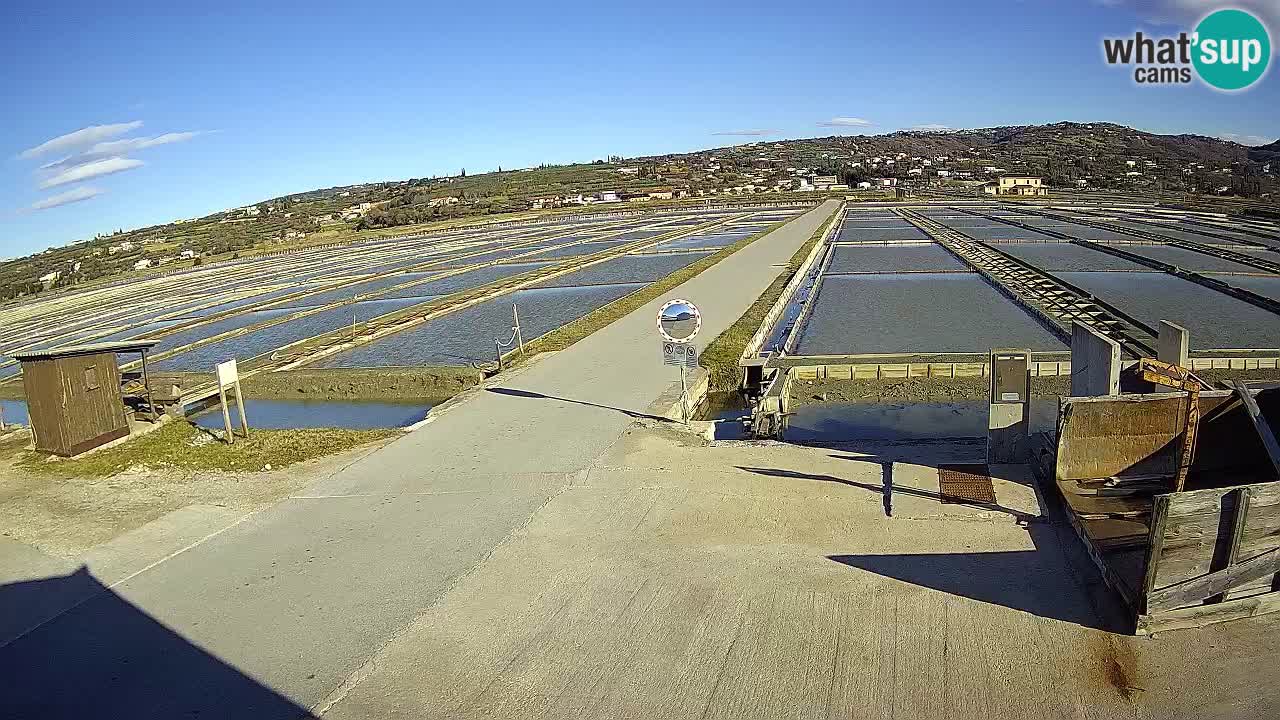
71,350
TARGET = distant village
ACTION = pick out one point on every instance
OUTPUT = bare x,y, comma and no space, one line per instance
1066,156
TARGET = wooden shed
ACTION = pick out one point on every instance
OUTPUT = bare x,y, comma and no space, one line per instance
76,395
1178,558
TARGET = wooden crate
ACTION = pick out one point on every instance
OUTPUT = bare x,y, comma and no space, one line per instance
1208,554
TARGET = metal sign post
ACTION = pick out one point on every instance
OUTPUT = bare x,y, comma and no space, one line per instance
678,322
228,378
684,398
515,316
355,309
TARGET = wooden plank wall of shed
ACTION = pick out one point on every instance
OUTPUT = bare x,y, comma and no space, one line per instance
43,389
99,411
68,415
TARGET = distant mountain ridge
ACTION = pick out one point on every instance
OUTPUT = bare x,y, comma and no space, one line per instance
1068,138
1067,154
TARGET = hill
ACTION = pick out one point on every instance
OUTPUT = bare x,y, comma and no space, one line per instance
1072,155
1104,155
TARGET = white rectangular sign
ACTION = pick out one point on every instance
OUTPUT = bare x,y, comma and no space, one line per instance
685,354
228,374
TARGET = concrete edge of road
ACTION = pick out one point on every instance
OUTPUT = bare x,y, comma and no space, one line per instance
668,406
473,391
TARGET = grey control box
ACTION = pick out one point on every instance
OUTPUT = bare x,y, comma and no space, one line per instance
1010,376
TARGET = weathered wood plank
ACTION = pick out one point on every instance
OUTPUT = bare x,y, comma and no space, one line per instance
1199,529
1200,588
1260,424
1231,552
1155,544
1109,574
1201,615
1089,505
1124,435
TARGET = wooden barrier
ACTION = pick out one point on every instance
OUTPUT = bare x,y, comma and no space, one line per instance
1213,556
1178,559
837,367
884,371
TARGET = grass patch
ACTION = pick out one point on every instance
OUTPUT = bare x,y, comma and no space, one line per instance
720,358
567,335
181,445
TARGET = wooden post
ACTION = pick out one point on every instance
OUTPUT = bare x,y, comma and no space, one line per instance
1190,433
226,415
1242,497
146,386
244,423
1155,545
1260,425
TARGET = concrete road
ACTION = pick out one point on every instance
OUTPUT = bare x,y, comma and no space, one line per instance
765,580
282,612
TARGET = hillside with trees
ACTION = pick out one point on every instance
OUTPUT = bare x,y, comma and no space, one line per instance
1101,156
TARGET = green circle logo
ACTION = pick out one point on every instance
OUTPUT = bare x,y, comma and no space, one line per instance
1232,49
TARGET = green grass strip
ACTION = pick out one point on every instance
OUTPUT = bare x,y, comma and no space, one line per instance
184,446
571,333
720,358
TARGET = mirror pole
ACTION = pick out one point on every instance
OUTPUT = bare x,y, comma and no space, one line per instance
684,398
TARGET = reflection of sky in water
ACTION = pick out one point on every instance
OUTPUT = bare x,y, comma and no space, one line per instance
917,313
1216,320
223,285
467,336
874,421
15,411
263,340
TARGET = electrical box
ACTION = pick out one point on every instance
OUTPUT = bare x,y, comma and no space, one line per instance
1009,414
1010,376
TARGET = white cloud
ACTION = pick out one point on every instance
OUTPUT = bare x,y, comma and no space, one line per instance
97,168
118,148
81,138
1251,140
1186,12
76,195
128,145
750,133
845,122
931,127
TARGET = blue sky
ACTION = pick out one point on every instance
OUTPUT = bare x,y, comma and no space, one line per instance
241,102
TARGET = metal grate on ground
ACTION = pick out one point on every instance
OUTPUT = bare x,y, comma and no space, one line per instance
961,484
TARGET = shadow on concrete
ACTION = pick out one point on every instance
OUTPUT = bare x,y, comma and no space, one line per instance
1056,580
105,657
512,392
1033,581
887,488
